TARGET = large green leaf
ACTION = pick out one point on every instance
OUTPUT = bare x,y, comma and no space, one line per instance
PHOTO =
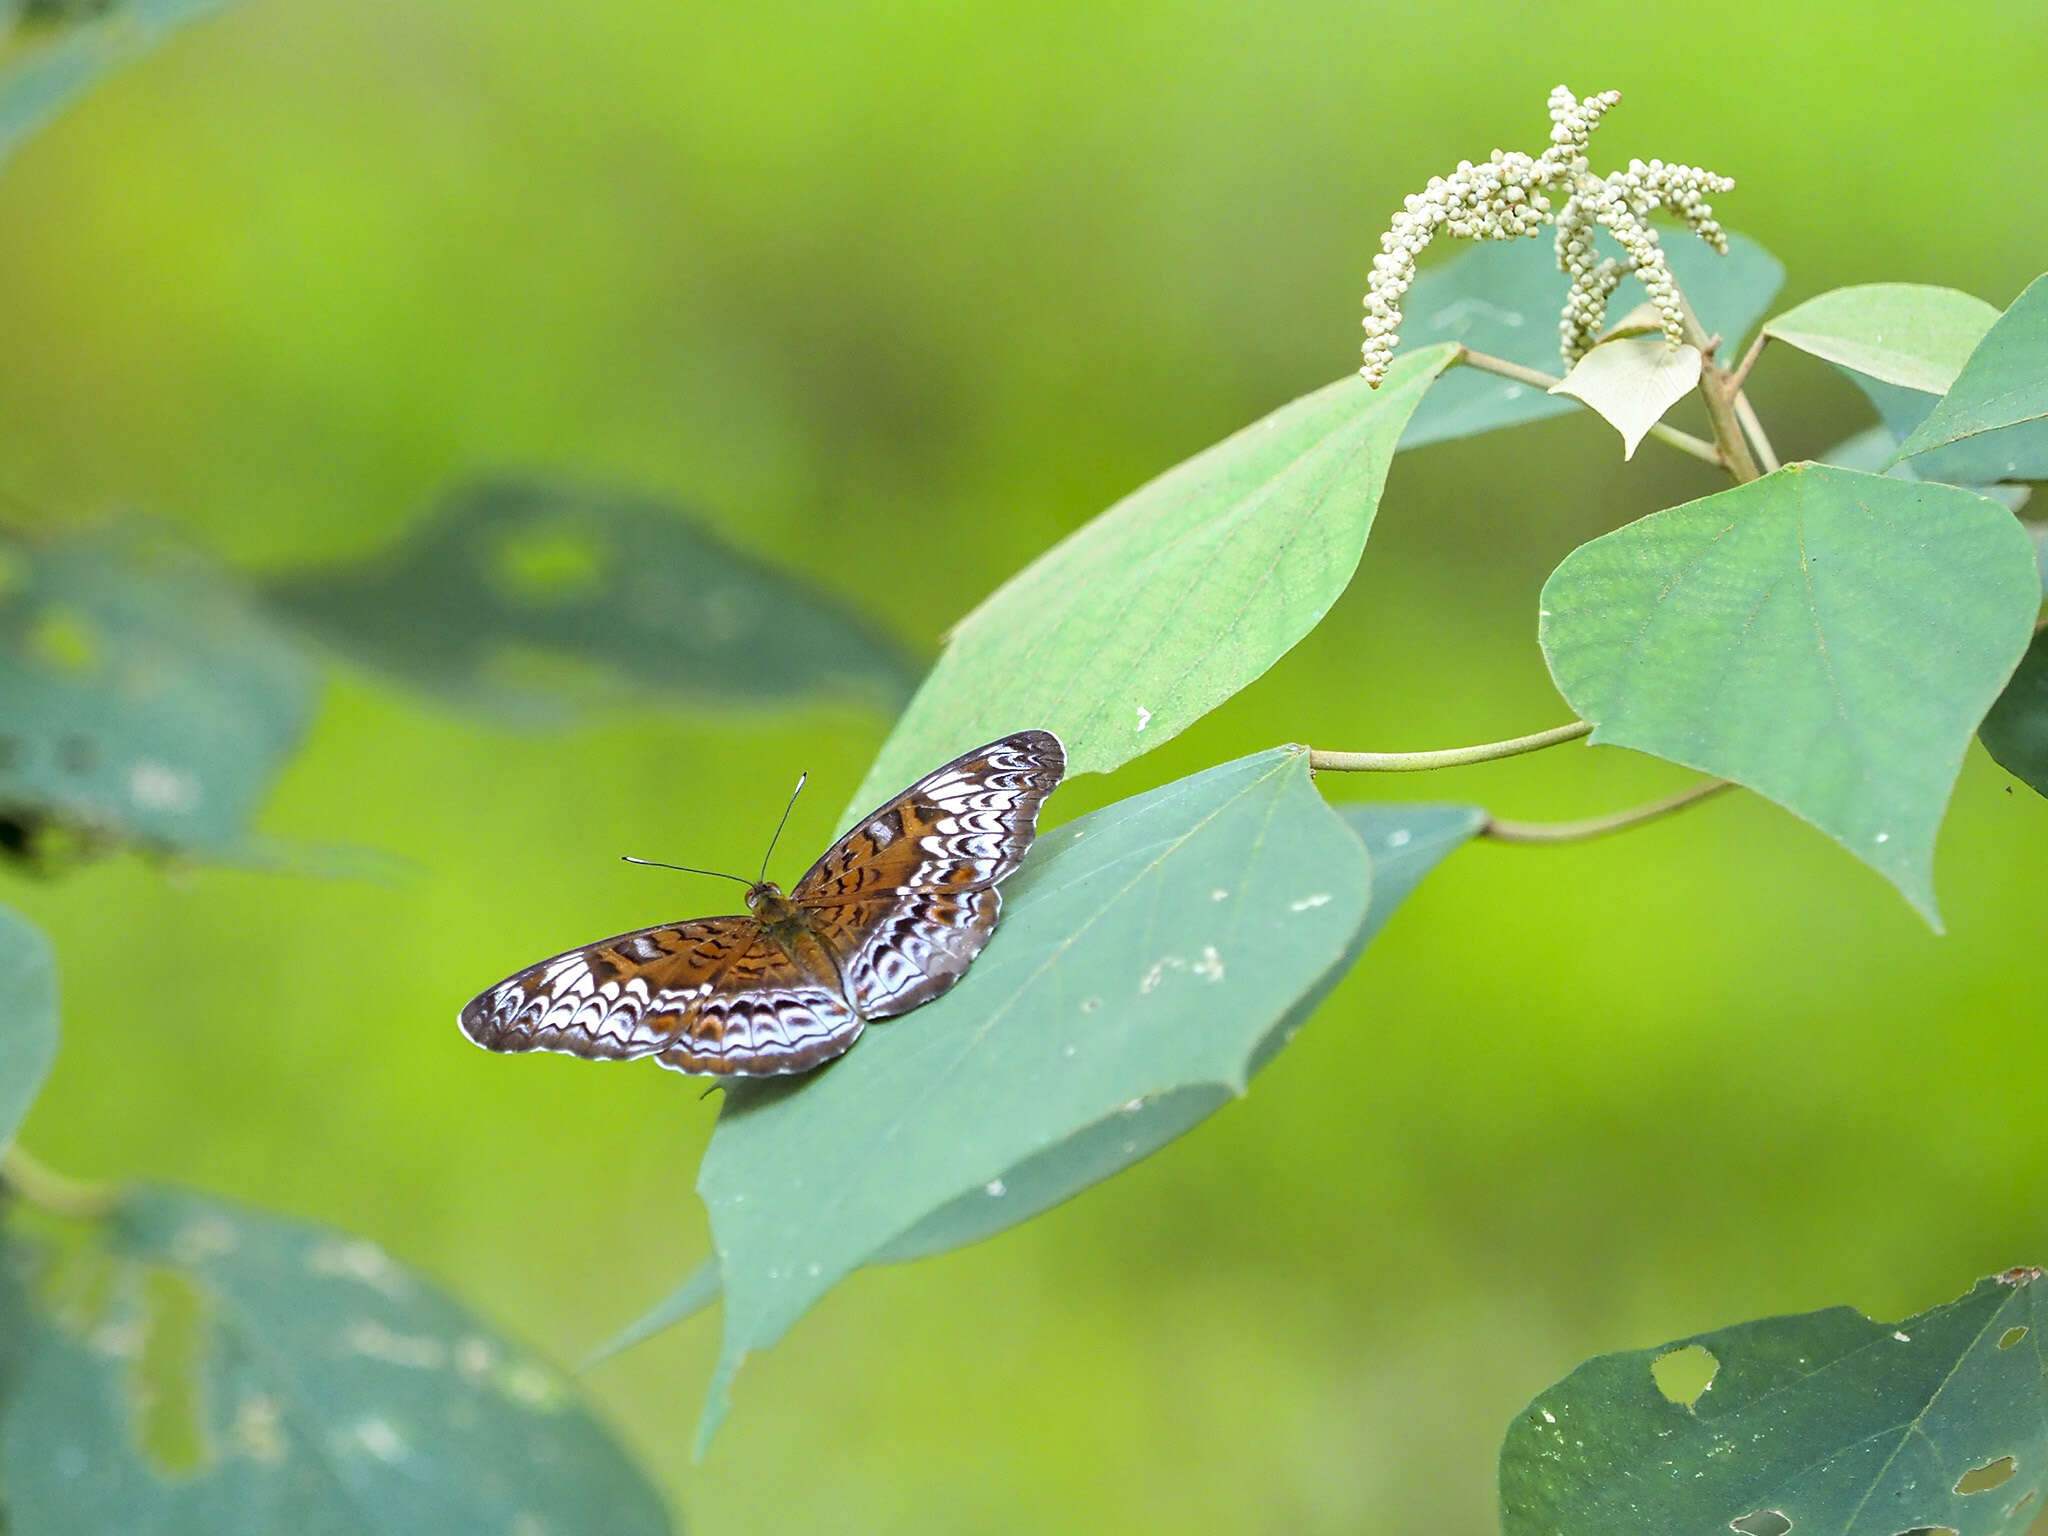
2015,732
195,1367
57,59
1141,622
1822,1423
2004,383
2010,453
143,698
28,1019
1504,299
1152,951
1404,842
1828,638
1907,334
524,599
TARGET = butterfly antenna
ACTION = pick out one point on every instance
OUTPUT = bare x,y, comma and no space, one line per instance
717,874
800,779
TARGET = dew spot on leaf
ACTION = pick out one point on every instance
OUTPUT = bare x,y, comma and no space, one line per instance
1684,1374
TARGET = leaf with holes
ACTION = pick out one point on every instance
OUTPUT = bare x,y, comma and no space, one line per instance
1632,381
1138,624
527,600
1504,299
143,698
2015,733
1403,842
2004,384
191,1366
1827,638
1907,334
1825,1422
28,1019
64,49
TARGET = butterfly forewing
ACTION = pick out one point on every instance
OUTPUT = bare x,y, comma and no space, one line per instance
907,899
713,995
898,909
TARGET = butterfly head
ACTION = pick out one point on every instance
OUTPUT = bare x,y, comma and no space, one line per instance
766,901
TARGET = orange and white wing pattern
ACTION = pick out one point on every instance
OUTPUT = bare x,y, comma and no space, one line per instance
716,995
907,899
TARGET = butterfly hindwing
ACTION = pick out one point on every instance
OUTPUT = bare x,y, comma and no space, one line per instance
715,995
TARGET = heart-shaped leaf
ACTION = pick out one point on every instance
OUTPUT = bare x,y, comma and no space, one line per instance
143,697
1827,638
527,600
1404,842
1138,624
193,1368
2015,732
2004,383
1632,381
28,1019
49,70
1504,299
1907,334
1826,1422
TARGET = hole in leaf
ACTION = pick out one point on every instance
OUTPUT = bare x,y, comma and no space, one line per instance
548,566
64,641
1761,1522
1984,1478
1682,1375
2010,1337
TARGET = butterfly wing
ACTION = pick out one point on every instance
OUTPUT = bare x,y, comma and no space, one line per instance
907,899
716,996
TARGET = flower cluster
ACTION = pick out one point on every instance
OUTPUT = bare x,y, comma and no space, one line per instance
1507,197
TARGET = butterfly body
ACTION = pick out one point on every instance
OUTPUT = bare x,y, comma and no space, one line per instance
888,919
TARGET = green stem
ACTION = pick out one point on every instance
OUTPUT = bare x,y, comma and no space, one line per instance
1684,442
53,1192
1448,757
1753,429
1597,826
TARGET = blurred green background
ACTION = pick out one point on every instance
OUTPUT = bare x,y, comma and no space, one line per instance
897,295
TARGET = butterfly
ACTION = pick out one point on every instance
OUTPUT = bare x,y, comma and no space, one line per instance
887,920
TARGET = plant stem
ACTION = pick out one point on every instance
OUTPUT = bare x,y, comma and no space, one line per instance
1719,395
1753,429
1684,442
53,1192
1740,376
1597,826
1447,757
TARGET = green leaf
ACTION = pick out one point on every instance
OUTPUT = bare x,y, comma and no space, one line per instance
193,1366
1825,1422
1871,450
1404,842
2015,732
525,599
143,697
1151,951
1828,638
1632,381
1141,622
37,83
28,1019
2004,383
2011,453
1907,334
1504,299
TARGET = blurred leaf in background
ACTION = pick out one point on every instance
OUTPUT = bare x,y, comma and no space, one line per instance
195,1368
144,698
522,600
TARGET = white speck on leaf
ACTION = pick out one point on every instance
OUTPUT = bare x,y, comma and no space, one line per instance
1210,966
1088,1005
996,1187
1548,1416
205,1238
474,1358
1150,981
1132,1106
1144,717
1219,894
380,1343
1320,899
1884,837
257,1430
159,787
357,1259
377,1436
1903,1338
1398,838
